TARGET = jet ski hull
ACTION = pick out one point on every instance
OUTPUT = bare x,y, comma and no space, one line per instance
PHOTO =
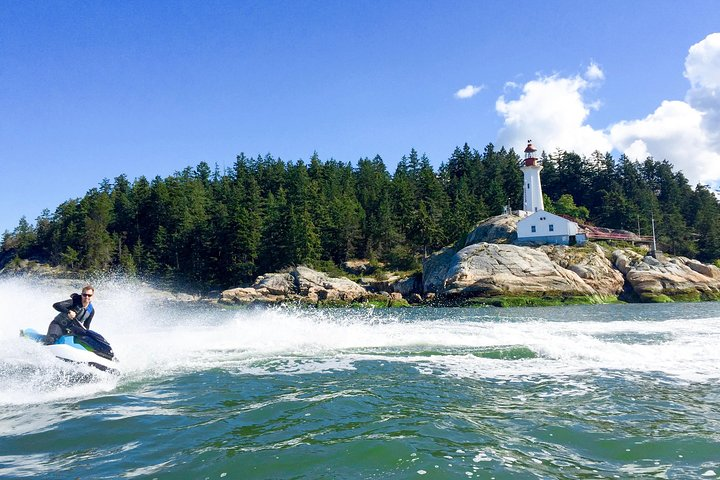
68,349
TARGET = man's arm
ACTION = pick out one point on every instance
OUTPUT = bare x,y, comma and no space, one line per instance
64,306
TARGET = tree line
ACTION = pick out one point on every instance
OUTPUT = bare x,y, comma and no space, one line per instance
226,227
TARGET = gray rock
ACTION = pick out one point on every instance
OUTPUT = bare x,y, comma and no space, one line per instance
247,295
300,284
435,269
276,283
498,229
310,281
592,266
649,276
708,270
408,286
622,260
487,269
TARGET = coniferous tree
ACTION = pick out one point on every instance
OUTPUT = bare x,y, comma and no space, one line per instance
276,251
404,199
374,190
23,238
304,241
96,243
707,224
433,208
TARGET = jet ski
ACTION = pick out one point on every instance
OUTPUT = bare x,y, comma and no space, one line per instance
90,348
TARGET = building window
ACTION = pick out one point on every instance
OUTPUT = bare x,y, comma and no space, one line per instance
532,228
552,227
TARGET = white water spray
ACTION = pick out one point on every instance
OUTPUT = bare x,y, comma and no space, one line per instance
154,338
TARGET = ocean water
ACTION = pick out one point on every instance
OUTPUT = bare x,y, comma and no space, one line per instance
613,391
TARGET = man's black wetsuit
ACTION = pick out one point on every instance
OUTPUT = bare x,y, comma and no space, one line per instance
62,325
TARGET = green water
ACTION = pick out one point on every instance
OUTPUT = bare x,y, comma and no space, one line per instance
617,391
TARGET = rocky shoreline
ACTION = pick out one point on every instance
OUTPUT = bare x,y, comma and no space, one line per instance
488,269
496,274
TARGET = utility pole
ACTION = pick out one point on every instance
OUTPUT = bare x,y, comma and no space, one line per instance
652,219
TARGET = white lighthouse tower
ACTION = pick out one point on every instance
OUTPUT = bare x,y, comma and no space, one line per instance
532,190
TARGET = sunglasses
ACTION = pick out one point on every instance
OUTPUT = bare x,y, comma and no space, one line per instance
87,294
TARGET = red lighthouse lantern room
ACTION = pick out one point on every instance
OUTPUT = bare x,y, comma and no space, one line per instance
530,158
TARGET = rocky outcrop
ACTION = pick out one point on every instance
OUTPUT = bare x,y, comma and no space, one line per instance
678,278
270,288
487,269
490,266
301,284
710,271
498,229
590,264
10,264
316,286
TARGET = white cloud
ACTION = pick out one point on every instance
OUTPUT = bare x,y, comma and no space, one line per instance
553,111
702,65
686,133
637,149
702,68
673,132
594,73
469,91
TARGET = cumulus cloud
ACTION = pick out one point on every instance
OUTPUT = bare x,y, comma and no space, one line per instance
469,91
686,133
554,111
674,132
703,63
702,68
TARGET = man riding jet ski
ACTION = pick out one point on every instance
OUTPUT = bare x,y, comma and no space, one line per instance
74,317
69,337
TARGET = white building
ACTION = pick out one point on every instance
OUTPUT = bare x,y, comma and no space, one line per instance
541,227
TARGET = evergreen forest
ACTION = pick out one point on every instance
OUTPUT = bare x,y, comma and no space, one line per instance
223,228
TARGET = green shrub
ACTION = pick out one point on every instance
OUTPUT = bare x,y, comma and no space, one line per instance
402,257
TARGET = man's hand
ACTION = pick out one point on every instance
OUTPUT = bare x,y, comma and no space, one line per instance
71,314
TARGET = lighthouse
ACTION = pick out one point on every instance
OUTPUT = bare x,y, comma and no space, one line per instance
532,190
541,227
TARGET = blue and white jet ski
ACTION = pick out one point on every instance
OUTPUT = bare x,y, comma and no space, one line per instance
89,349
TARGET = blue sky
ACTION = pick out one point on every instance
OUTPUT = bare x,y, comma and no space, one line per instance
93,89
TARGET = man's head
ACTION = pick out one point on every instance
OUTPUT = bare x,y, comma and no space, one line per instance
87,293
